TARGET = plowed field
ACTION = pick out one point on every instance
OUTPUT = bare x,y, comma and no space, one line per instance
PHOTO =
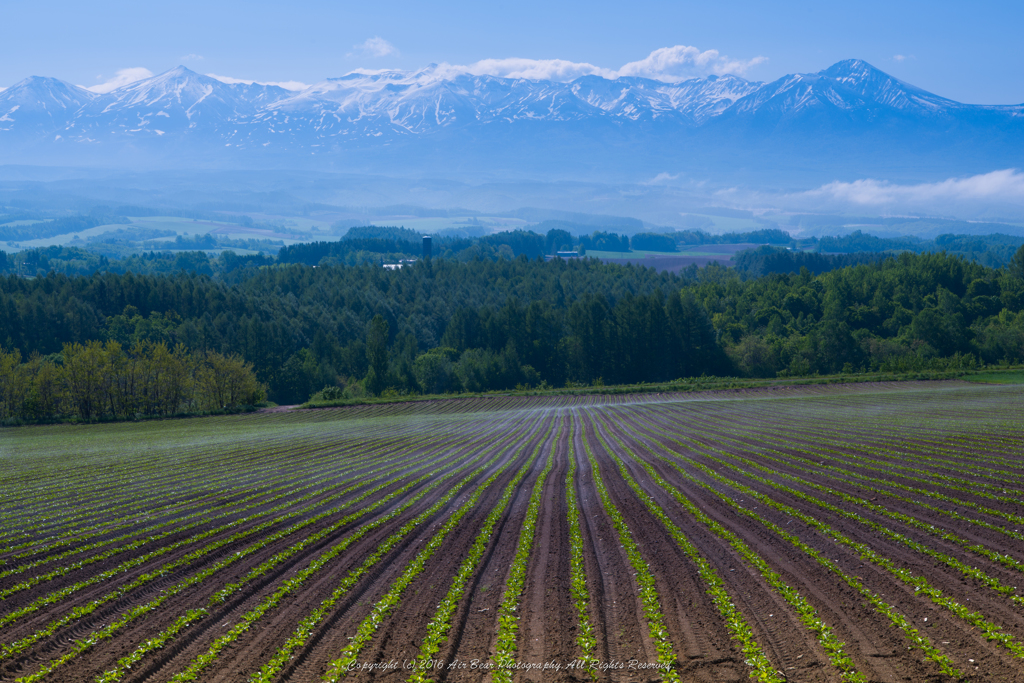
850,533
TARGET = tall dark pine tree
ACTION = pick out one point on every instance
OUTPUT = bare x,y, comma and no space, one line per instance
377,355
1017,264
557,239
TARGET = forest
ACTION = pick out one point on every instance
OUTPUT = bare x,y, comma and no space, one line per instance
105,381
445,325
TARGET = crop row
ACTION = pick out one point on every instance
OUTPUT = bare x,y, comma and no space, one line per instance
438,627
277,559
210,475
260,494
57,596
834,648
515,582
919,584
914,637
253,501
310,622
648,592
973,547
292,584
340,666
213,488
193,615
340,527
577,570
813,464
85,643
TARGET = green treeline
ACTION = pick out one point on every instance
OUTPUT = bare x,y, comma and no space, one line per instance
909,312
994,249
446,325
125,250
57,226
604,241
762,236
78,261
102,381
345,252
303,328
767,259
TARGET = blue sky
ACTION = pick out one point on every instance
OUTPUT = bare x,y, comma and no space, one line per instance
970,52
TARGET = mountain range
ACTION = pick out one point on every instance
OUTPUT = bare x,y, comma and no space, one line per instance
847,121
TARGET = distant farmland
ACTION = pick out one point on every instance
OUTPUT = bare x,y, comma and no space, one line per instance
849,533
698,255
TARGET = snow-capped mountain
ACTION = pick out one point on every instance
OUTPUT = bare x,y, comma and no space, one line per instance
40,106
853,87
439,116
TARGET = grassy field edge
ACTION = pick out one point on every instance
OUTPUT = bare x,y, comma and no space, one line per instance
1010,375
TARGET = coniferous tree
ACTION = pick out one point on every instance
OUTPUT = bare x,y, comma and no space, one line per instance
1017,264
377,355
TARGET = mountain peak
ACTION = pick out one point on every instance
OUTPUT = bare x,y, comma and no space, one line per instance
35,89
44,82
179,73
876,85
178,81
851,67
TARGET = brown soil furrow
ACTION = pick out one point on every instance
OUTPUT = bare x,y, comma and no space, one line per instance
786,642
401,640
417,602
869,641
332,635
548,620
197,595
474,626
229,611
943,627
622,630
989,537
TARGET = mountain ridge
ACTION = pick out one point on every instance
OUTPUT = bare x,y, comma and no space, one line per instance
436,116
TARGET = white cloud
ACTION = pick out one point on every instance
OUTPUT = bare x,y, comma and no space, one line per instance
663,177
192,57
287,85
536,69
685,61
669,64
122,78
1007,184
898,58
375,47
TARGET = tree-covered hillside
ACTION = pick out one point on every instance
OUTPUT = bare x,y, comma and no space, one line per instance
484,324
